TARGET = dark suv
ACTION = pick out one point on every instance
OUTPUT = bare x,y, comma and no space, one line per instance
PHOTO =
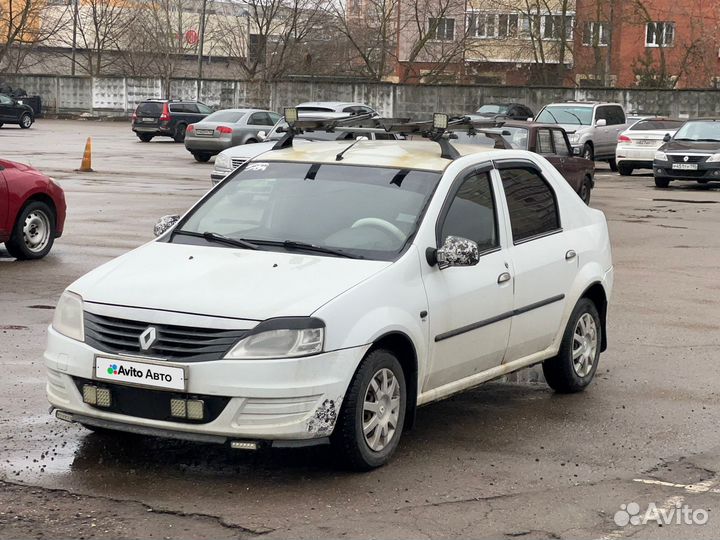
166,118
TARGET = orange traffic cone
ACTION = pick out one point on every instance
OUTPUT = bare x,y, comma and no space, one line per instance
86,165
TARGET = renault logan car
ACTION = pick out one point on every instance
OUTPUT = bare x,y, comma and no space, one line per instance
693,153
321,293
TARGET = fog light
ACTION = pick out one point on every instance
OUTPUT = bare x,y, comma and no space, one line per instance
178,408
90,394
103,397
195,409
243,445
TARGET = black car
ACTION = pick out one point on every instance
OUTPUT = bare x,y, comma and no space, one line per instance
510,111
166,118
693,153
14,112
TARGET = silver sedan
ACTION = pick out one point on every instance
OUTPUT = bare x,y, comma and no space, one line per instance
225,129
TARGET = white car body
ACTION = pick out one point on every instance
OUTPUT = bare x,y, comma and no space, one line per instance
636,147
461,325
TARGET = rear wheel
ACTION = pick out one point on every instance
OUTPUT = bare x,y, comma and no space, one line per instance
373,414
34,232
180,133
625,170
576,362
145,137
586,190
613,165
251,141
26,121
202,157
662,182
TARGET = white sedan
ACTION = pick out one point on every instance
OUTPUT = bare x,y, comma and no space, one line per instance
321,293
637,145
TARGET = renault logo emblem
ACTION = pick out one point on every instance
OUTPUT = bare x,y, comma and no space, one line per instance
148,338
686,158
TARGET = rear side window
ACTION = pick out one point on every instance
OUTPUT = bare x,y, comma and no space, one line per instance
202,108
472,213
150,108
260,119
615,115
531,202
561,147
544,142
657,124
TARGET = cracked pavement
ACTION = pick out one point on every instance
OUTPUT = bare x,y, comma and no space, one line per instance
505,460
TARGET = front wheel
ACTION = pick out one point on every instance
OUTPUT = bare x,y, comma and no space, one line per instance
662,182
588,152
373,414
26,121
576,362
34,232
625,170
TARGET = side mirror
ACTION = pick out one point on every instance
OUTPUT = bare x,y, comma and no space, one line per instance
667,137
577,151
165,223
455,251
262,135
601,123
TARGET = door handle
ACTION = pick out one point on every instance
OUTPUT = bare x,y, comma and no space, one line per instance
504,277
570,255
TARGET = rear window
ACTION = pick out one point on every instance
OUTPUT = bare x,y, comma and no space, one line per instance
657,125
150,108
315,109
225,116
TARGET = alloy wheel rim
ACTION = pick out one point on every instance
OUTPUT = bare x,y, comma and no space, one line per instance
26,121
381,409
36,231
585,342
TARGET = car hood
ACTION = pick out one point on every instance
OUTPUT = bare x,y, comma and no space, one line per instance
691,146
574,128
223,282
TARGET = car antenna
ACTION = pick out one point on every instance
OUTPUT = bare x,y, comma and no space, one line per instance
339,157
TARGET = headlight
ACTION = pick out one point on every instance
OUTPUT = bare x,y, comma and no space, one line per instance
660,156
282,338
68,317
714,158
574,137
223,161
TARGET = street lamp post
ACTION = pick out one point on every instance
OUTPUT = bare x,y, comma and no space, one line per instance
201,44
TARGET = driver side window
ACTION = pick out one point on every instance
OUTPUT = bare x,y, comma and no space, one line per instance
472,213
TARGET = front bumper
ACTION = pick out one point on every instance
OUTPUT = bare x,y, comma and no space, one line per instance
280,399
705,171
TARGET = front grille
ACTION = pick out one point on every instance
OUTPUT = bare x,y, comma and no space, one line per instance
236,162
680,158
188,344
153,404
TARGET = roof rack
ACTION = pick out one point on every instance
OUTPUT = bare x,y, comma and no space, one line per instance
440,129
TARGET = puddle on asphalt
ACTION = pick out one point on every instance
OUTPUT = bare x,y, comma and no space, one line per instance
691,201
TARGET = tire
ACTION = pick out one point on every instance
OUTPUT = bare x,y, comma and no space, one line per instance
586,190
624,170
26,121
251,141
349,438
588,152
180,130
34,232
662,182
613,165
145,137
1,124
202,157
562,373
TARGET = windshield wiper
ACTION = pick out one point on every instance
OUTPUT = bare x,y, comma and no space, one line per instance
293,244
220,239
576,116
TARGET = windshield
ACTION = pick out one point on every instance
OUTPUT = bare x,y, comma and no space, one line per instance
367,212
492,109
564,114
699,131
225,116
657,125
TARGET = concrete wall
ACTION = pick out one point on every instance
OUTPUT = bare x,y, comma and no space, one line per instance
107,96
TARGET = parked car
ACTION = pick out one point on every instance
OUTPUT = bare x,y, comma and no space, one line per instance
32,210
227,128
14,111
325,298
166,118
592,126
693,153
234,157
335,106
637,144
512,111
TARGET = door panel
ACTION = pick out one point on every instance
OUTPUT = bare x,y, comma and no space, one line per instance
5,225
469,311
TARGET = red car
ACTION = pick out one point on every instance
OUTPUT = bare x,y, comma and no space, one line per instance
32,210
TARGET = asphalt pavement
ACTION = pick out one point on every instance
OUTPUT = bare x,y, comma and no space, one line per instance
504,460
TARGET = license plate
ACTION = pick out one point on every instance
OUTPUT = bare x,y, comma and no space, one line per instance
139,373
685,166
148,119
645,142
205,132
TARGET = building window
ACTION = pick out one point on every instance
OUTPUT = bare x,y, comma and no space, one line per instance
660,34
507,25
442,29
596,34
492,25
